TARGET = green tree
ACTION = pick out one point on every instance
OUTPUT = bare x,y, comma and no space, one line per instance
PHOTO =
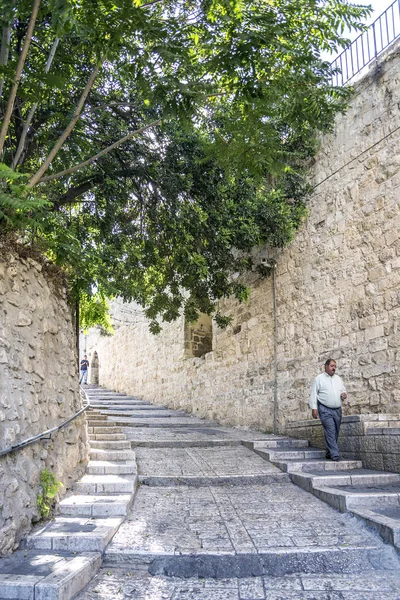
145,145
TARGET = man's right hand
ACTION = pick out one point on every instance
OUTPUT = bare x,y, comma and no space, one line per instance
314,413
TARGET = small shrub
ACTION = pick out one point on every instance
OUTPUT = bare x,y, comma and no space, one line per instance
49,491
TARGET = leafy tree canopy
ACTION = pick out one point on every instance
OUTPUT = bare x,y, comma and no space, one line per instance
146,146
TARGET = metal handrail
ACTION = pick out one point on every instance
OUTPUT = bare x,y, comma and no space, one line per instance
47,434
368,45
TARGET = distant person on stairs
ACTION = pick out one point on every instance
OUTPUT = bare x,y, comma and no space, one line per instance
84,370
327,393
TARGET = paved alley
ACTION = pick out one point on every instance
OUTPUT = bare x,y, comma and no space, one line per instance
213,520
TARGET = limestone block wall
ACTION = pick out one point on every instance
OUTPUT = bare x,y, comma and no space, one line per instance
337,292
38,391
374,439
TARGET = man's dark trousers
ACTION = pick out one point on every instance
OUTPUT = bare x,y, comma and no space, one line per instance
331,419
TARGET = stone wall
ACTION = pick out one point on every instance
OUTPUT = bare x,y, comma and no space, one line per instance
337,293
374,439
38,391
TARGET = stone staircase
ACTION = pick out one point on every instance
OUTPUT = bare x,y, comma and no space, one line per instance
61,556
371,495
216,507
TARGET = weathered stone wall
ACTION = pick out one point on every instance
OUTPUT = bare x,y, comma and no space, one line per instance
38,391
373,438
337,289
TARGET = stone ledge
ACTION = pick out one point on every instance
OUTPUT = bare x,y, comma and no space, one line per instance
347,419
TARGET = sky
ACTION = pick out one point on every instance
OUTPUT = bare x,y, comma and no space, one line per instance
378,6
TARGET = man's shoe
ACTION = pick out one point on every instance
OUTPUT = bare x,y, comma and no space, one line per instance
328,456
336,459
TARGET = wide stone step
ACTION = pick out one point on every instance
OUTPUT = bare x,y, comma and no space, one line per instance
291,454
95,505
106,436
105,430
273,562
243,531
201,481
105,393
65,534
344,498
145,414
99,405
108,467
113,455
161,422
315,464
121,444
36,575
283,443
92,416
124,400
385,520
101,424
104,484
334,478
302,586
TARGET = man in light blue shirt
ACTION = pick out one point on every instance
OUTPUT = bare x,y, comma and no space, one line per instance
326,397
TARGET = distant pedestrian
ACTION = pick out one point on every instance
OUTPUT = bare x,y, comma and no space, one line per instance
327,393
84,370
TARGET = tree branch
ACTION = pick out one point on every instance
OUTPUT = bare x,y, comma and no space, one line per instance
85,186
21,144
18,72
91,160
5,49
36,177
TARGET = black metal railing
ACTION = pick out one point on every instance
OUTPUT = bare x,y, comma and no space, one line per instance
368,45
46,435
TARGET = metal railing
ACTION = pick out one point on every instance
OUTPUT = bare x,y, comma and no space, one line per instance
47,434
368,45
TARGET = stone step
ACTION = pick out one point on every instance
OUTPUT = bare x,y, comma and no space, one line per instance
105,393
273,562
107,467
96,437
227,531
35,575
65,534
112,455
105,484
120,405
151,443
201,481
345,498
166,422
137,414
384,520
91,416
104,425
284,443
95,505
105,430
302,586
315,464
122,444
122,401
334,478
280,454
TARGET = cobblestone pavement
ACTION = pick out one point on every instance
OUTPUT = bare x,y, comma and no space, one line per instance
121,584
174,520
260,541
202,461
